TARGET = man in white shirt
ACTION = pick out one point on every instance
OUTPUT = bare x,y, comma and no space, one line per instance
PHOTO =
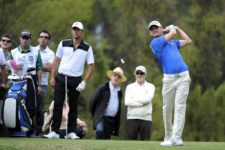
71,56
138,99
2,68
5,44
26,56
2,58
47,56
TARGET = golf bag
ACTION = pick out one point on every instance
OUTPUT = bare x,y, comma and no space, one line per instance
2,93
15,114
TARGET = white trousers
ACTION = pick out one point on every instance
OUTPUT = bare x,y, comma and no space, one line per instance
175,91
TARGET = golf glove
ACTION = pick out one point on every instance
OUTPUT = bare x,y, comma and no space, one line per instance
81,86
172,26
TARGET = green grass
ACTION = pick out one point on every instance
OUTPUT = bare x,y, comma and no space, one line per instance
86,144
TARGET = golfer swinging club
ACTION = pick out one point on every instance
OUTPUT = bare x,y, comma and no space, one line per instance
176,79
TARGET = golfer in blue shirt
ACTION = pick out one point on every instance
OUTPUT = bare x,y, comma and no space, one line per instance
176,79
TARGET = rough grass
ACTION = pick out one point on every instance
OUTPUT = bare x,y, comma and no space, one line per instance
86,144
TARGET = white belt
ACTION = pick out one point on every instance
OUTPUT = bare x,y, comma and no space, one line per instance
176,75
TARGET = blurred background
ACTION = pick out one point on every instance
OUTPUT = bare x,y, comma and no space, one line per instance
116,27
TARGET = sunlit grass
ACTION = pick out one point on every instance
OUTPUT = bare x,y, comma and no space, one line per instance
85,144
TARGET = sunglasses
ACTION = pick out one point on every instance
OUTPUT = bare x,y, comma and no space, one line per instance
7,41
117,75
139,72
43,37
153,27
25,37
76,29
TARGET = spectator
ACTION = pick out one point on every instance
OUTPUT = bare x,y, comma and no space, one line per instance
138,99
81,128
47,56
27,56
70,60
105,105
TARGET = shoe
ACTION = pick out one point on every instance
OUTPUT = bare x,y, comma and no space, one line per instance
166,143
40,135
32,135
51,135
178,143
172,143
72,136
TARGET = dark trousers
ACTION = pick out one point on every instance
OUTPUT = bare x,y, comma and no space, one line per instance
31,100
137,127
105,128
40,109
59,96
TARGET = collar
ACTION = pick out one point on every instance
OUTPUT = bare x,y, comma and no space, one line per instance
111,87
44,51
137,84
81,45
21,50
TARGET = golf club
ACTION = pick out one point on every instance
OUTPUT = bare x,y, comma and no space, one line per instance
66,99
132,52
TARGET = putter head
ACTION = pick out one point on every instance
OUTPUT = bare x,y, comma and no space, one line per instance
122,61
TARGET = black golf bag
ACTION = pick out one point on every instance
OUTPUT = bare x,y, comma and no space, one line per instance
15,114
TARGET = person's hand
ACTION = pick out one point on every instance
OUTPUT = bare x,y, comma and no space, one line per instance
39,89
19,67
5,86
166,30
52,82
83,124
81,86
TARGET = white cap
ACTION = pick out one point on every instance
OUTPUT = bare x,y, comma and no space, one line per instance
154,23
78,25
141,68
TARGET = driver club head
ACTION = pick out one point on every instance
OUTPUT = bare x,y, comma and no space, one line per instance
122,61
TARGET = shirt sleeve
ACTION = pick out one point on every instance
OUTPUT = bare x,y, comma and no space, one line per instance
90,56
177,43
51,57
59,52
129,98
2,58
157,44
147,96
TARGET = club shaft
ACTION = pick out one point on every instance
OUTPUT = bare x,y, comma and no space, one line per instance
134,51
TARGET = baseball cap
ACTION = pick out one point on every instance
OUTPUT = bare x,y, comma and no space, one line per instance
141,68
25,34
154,23
78,25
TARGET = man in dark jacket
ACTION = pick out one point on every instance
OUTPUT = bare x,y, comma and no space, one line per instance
105,105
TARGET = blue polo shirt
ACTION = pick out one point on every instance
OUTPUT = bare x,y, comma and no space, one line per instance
168,55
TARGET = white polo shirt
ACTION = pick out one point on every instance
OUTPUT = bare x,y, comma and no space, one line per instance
2,57
26,59
73,60
47,56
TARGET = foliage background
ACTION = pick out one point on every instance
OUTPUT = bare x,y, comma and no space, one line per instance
116,27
